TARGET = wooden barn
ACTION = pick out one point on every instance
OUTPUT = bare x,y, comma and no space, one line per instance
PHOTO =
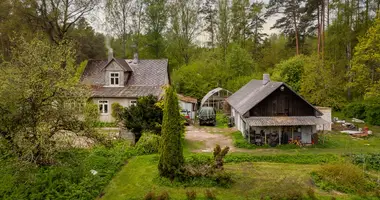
268,112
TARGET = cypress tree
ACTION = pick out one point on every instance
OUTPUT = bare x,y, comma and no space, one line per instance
171,155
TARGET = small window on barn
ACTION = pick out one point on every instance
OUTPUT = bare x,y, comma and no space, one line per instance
103,107
114,78
133,102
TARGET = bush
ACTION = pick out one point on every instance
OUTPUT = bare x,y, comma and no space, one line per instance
221,120
342,177
144,116
355,109
117,111
191,194
370,161
149,143
209,194
69,178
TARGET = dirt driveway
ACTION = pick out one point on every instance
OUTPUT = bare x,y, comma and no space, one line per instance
211,136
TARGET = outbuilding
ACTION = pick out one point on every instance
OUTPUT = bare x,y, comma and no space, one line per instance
268,112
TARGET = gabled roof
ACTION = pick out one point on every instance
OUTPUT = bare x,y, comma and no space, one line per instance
122,63
146,77
253,93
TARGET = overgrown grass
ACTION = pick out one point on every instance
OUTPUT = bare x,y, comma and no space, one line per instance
346,178
69,178
284,158
252,181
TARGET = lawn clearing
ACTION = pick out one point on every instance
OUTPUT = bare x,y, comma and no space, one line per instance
139,177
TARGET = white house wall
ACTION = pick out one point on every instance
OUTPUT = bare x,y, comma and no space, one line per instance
106,117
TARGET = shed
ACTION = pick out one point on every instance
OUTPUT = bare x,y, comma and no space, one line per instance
188,104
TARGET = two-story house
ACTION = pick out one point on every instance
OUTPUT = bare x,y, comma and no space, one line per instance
268,112
123,81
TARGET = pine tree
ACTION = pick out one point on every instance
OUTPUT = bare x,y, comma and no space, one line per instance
171,155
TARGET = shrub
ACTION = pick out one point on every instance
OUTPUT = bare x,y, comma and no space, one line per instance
149,196
69,178
209,194
117,111
191,194
144,116
342,177
198,159
171,149
370,161
355,109
149,143
221,120
163,196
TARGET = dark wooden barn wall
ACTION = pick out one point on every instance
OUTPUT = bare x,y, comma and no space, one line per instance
282,103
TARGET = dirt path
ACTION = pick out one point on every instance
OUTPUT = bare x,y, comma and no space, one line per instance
211,136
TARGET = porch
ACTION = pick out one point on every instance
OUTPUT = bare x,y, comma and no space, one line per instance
281,130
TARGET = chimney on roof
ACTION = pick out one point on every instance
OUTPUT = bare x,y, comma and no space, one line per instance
266,79
110,54
135,58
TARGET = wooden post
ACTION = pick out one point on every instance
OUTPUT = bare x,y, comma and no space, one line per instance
265,137
279,135
292,134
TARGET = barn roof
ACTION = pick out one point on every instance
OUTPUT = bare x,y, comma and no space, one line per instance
253,93
285,121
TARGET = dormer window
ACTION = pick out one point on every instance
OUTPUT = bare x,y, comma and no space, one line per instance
114,78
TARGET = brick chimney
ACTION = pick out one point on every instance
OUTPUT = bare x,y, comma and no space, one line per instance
135,58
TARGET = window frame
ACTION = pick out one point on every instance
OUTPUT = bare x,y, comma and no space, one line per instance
133,102
101,104
114,78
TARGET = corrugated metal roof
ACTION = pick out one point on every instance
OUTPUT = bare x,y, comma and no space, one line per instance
285,121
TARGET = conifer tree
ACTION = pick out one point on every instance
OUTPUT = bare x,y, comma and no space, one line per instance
171,155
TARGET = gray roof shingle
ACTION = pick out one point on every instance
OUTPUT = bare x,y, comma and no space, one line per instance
251,94
147,77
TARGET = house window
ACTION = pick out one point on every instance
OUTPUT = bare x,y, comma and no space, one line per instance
103,107
133,102
114,78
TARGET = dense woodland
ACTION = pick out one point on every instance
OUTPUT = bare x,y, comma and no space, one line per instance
325,49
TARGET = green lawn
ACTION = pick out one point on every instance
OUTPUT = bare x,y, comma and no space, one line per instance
252,180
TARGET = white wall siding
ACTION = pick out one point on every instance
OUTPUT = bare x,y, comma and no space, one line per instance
106,117
327,117
187,106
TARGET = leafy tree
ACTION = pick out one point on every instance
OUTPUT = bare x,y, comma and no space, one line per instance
365,71
240,21
291,11
117,111
223,36
290,71
41,96
144,116
256,23
171,155
57,17
210,10
156,19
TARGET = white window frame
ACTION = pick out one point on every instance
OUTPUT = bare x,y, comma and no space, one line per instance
101,104
133,102
114,78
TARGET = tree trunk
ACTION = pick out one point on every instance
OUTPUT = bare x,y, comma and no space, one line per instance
318,33
296,32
